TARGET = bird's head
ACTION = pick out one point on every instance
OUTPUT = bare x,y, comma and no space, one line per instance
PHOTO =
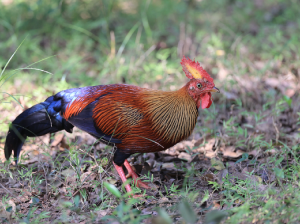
201,85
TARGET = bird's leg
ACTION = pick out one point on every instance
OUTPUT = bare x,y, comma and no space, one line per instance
122,175
135,177
121,158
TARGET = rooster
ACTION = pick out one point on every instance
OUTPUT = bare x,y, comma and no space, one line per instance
132,119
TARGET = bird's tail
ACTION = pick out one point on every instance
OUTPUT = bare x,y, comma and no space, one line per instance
38,120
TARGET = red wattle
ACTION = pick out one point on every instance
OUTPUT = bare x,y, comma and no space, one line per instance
206,100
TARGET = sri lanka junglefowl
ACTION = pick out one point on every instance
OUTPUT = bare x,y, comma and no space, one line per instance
132,119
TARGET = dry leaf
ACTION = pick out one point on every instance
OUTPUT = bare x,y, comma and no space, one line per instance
230,152
102,213
87,176
217,164
221,175
207,149
168,166
185,156
5,212
163,200
216,205
208,177
57,139
243,176
68,172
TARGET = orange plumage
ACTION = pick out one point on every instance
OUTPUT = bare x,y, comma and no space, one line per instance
131,118
141,117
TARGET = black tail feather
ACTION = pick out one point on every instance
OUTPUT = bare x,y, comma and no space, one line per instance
33,122
14,142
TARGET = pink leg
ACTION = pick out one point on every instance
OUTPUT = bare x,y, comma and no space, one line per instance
132,174
122,175
135,177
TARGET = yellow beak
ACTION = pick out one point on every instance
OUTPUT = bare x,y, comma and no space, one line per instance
215,90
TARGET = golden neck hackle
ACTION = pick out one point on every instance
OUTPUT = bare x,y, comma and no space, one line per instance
173,114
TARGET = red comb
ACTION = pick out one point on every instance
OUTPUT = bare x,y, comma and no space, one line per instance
193,70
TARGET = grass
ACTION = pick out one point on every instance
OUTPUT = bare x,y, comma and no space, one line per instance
251,49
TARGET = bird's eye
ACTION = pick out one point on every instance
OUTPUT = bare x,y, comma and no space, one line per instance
199,85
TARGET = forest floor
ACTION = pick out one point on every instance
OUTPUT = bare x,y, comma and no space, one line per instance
249,163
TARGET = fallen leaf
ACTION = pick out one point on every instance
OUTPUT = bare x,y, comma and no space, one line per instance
216,205
70,175
217,164
168,166
68,172
87,176
8,209
230,152
179,147
57,139
112,181
221,175
163,200
185,156
24,195
207,148
243,176
102,213
255,153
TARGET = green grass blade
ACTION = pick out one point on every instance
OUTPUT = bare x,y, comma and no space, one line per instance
81,30
11,58
25,68
37,69
127,38
40,60
13,98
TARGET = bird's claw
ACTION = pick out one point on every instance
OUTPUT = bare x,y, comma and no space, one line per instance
134,176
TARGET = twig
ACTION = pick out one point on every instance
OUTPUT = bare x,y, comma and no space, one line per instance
276,129
45,180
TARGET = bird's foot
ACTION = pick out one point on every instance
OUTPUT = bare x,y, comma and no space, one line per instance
134,176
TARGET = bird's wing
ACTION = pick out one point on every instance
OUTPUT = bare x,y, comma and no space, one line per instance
78,109
112,110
